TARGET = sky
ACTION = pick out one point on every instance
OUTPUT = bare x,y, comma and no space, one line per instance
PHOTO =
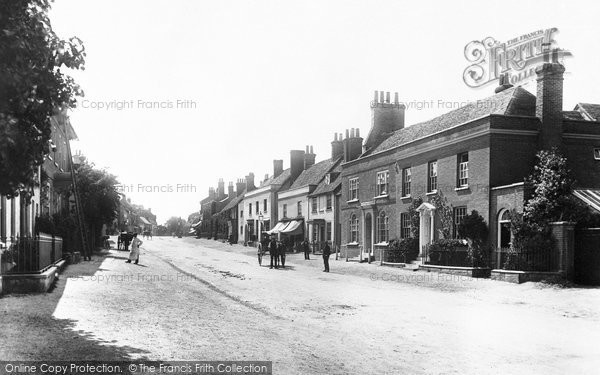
180,93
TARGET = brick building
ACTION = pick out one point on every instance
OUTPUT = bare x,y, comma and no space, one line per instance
476,156
259,207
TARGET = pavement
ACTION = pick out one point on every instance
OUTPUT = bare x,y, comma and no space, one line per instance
191,299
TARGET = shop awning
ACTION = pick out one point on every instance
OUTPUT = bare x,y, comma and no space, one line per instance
277,228
144,220
197,224
591,197
294,227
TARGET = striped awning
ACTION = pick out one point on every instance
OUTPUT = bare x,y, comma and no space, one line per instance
293,227
591,197
145,221
278,227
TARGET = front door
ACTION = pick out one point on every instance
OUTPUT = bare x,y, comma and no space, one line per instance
368,247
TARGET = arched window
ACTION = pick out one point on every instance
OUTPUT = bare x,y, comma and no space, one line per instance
504,237
353,228
383,232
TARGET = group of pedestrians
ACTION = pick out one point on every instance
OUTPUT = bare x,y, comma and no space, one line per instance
277,252
326,253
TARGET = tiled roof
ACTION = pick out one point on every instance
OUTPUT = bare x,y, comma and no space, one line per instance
589,111
332,185
572,115
234,202
279,180
512,101
591,197
314,174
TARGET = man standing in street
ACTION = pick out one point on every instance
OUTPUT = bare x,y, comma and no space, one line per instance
326,254
306,249
274,254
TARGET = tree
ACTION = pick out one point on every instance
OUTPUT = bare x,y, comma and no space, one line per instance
32,88
99,196
551,188
174,224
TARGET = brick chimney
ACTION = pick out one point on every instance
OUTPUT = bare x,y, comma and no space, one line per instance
549,103
211,193
250,182
309,157
296,163
387,117
277,168
352,144
337,147
230,190
240,185
503,83
221,189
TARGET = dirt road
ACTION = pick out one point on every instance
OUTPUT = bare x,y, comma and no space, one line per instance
195,299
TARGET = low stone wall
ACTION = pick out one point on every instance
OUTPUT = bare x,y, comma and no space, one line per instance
32,282
519,277
478,272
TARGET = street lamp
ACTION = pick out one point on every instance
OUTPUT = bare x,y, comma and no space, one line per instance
260,226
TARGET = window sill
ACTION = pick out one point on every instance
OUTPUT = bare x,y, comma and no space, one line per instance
406,197
382,244
382,196
329,209
432,192
352,201
460,188
352,244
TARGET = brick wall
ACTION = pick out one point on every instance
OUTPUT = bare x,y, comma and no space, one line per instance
578,146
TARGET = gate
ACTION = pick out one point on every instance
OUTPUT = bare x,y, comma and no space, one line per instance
587,256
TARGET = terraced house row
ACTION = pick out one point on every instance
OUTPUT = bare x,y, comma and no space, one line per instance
476,156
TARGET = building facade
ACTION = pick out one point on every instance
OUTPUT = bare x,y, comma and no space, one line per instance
475,157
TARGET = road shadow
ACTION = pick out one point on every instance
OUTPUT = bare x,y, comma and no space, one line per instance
31,332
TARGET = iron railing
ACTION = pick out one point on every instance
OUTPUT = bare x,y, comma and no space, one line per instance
32,254
540,260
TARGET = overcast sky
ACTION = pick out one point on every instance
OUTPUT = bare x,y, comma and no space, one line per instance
260,78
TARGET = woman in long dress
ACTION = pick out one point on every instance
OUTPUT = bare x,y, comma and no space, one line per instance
135,249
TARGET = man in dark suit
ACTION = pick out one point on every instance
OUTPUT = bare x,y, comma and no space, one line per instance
326,254
306,249
274,253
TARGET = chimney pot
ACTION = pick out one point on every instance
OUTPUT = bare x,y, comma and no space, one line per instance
387,97
357,133
381,97
311,150
375,98
396,101
347,133
352,133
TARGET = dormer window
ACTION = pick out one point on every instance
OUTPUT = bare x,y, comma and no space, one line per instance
597,153
327,179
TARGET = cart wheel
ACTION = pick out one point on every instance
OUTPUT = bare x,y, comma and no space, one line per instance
260,259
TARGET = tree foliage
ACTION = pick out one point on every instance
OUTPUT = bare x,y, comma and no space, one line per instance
99,196
32,88
551,188
445,213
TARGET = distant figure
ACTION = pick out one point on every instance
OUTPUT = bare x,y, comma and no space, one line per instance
306,249
281,253
274,254
135,249
127,240
326,254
